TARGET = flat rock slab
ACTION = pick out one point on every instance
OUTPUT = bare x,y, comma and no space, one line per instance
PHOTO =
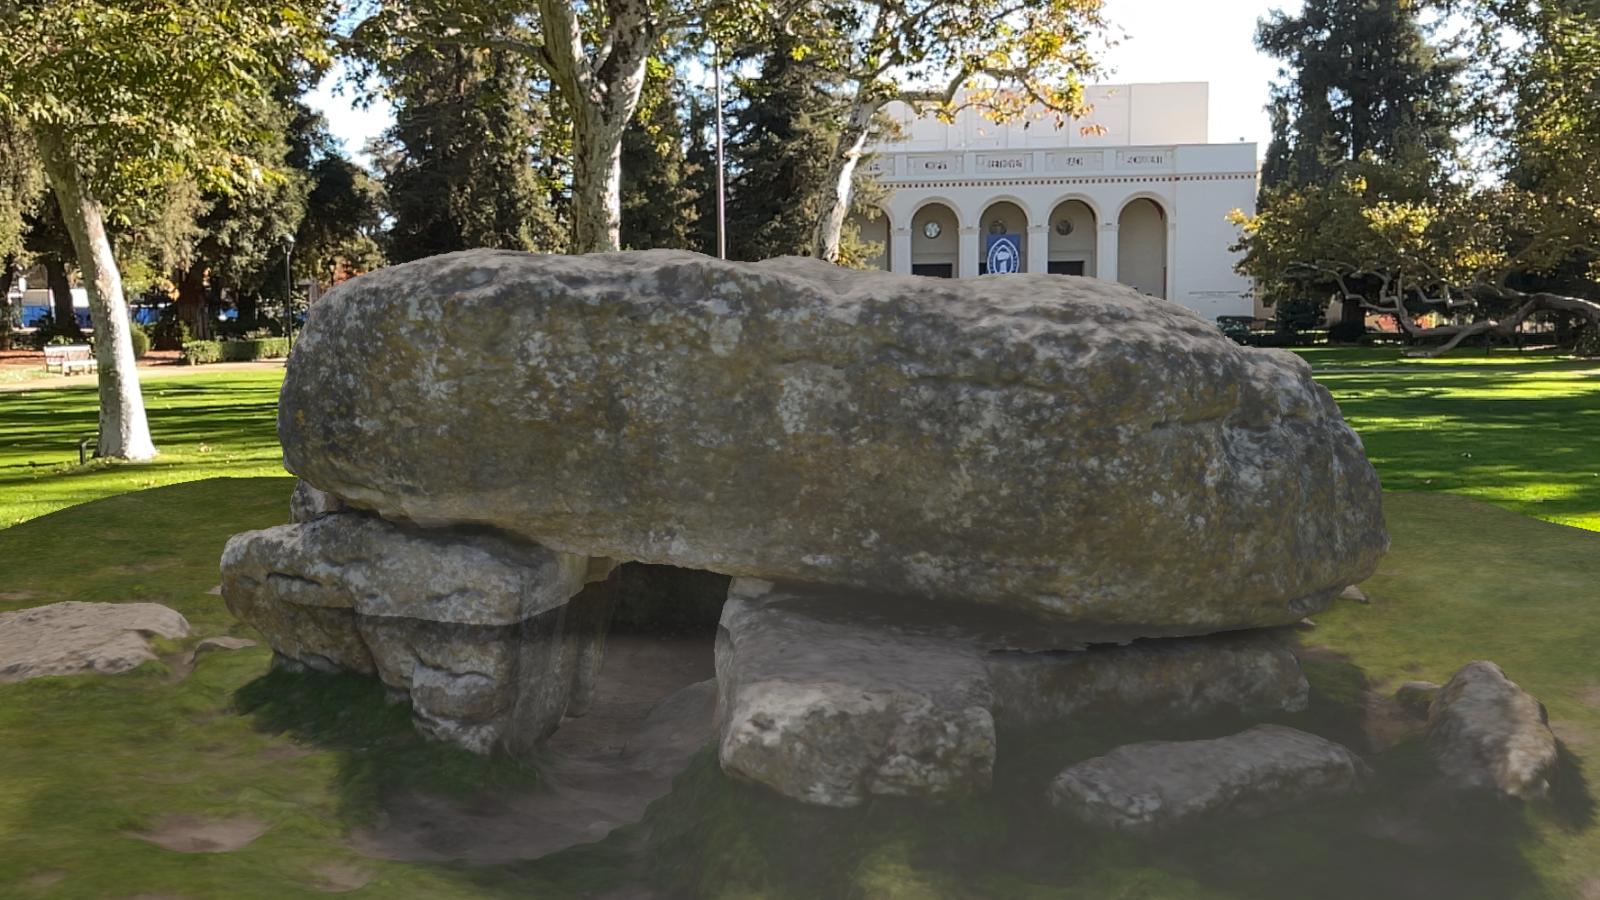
1485,733
1157,785
829,701
651,713
378,568
201,834
1061,445
74,638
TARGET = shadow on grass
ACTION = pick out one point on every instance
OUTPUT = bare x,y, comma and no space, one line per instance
1571,803
1404,838
380,752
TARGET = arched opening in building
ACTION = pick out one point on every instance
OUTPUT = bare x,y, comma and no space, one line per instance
1003,221
935,241
1142,247
872,229
1073,231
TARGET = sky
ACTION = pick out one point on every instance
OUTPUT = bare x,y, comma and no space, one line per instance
1166,40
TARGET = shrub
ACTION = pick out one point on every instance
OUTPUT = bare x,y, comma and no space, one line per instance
1236,327
1297,315
1347,332
1588,343
170,332
198,352
47,333
259,348
141,341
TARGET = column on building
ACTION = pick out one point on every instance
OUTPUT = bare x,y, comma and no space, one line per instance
967,264
1105,258
900,250
1038,255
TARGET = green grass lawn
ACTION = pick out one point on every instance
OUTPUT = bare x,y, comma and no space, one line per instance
205,425
1326,357
87,761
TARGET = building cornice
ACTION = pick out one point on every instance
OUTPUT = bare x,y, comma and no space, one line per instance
1061,181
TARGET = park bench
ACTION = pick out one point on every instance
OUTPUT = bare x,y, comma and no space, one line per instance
69,359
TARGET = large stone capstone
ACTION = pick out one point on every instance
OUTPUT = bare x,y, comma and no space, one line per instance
1063,446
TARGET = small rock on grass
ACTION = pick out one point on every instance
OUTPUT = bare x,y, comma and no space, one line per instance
1487,734
1353,592
73,638
222,643
1158,785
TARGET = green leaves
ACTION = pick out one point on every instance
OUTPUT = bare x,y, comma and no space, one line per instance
151,89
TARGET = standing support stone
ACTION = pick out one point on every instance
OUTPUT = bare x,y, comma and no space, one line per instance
829,701
491,639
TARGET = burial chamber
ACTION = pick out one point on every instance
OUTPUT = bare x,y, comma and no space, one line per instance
1018,464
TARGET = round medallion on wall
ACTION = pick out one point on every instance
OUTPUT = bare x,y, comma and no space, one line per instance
1064,227
932,230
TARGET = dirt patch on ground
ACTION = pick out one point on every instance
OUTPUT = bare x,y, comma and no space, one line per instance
199,834
1387,723
41,881
652,712
339,877
17,596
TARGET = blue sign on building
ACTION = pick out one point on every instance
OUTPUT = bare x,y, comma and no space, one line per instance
1004,254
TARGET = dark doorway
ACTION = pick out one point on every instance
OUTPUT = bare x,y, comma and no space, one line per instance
934,270
1066,267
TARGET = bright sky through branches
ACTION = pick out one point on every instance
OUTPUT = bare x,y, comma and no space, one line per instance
1167,40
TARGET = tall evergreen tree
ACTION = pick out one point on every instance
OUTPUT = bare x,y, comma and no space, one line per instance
1360,79
779,148
1362,92
459,167
658,199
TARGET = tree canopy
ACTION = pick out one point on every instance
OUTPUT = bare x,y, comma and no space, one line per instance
120,99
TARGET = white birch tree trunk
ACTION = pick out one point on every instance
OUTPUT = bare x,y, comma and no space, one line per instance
602,87
124,433
596,183
852,143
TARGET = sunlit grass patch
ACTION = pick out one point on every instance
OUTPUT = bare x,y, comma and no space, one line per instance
204,425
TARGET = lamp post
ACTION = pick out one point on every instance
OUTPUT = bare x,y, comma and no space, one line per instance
288,279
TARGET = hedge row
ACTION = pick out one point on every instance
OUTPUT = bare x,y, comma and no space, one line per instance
197,352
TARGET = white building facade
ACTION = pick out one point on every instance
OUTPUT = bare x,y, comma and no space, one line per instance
1132,193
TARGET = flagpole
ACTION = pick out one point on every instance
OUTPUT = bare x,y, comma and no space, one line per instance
722,234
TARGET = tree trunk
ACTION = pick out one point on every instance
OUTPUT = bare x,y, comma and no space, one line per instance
8,324
1352,311
602,94
192,302
596,183
124,433
61,308
829,230
248,307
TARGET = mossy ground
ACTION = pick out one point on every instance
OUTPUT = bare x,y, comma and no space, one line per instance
85,762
